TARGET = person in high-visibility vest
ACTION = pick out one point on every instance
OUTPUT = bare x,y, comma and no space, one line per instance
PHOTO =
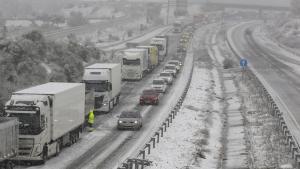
91,119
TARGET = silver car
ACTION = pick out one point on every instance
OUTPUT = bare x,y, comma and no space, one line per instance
168,76
130,120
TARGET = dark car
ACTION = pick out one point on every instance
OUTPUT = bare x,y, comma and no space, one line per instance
149,96
130,120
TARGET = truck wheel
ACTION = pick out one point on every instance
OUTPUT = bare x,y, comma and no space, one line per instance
118,99
45,154
9,165
76,136
58,148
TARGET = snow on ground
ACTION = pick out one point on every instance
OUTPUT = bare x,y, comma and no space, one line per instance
265,142
236,150
196,131
266,145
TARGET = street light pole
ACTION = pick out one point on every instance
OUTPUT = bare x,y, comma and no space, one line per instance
168,12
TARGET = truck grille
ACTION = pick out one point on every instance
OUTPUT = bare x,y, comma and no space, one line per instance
130,73
25,146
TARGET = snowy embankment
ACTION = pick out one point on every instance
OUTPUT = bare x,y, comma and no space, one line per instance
196,132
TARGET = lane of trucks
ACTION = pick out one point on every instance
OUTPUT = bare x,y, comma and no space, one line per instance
43,119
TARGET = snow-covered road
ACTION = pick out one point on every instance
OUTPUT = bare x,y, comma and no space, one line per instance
102,146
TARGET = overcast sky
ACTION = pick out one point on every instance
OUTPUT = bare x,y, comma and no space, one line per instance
263,2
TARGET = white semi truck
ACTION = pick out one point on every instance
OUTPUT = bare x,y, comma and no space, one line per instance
161,42
50,116
103,80
9,132
134,63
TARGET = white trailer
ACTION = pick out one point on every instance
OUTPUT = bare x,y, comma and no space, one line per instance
134,63
50,116
161,42
103,80
9,131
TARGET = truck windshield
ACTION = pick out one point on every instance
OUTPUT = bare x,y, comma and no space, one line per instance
131,62
29,123
99,86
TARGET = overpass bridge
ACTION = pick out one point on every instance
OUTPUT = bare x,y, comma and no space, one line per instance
279,5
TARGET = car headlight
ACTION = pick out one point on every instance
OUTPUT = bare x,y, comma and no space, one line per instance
120,121
135,122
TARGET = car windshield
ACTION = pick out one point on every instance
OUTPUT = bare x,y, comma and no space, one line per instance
170,67
173,63
149,92
165,74
130,115
159,82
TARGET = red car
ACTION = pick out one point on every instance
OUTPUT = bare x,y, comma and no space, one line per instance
149,96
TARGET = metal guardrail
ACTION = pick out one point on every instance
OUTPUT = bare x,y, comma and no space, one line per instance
272,106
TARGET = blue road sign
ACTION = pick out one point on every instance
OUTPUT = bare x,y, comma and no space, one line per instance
243,63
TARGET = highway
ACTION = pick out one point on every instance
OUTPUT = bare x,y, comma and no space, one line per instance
280,79
106,147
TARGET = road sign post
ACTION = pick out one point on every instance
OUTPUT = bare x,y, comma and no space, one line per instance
243,63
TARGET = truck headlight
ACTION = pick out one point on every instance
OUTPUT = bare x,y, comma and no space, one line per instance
120,121
37,150
135,122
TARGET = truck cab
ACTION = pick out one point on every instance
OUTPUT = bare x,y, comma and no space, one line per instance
161,42
177,26
50,117
134,63
31,112
103,81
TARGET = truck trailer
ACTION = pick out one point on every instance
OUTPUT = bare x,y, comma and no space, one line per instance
153,56
50,116
134,63
103,81
161,42
9,131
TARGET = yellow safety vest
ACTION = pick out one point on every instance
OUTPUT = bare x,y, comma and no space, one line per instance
91,117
